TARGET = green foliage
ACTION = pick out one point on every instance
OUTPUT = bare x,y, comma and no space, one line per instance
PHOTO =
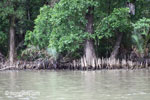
117,22
9,9
142,9
3,38
63,26
12,8
24,11
42,30
141,34
68,20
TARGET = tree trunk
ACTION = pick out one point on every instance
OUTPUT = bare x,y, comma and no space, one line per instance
131,6
116,47
89,51
12,40
1,57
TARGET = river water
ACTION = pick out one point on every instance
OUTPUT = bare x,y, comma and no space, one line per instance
75,85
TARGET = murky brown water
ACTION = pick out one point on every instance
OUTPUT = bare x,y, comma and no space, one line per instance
75,85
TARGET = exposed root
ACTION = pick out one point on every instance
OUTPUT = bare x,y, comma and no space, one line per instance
106,63
20,65
79,64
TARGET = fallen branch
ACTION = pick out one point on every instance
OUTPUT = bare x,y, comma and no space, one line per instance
6,68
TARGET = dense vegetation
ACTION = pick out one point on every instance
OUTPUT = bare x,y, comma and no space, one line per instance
74,28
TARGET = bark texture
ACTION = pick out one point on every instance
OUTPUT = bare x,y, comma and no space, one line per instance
131,6
116,47
89,46
1,57
12,40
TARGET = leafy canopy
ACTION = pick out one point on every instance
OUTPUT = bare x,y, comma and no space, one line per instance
118,21
141,34
68,21
63,26
42,29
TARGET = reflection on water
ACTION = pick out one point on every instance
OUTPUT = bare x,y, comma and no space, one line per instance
75,85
